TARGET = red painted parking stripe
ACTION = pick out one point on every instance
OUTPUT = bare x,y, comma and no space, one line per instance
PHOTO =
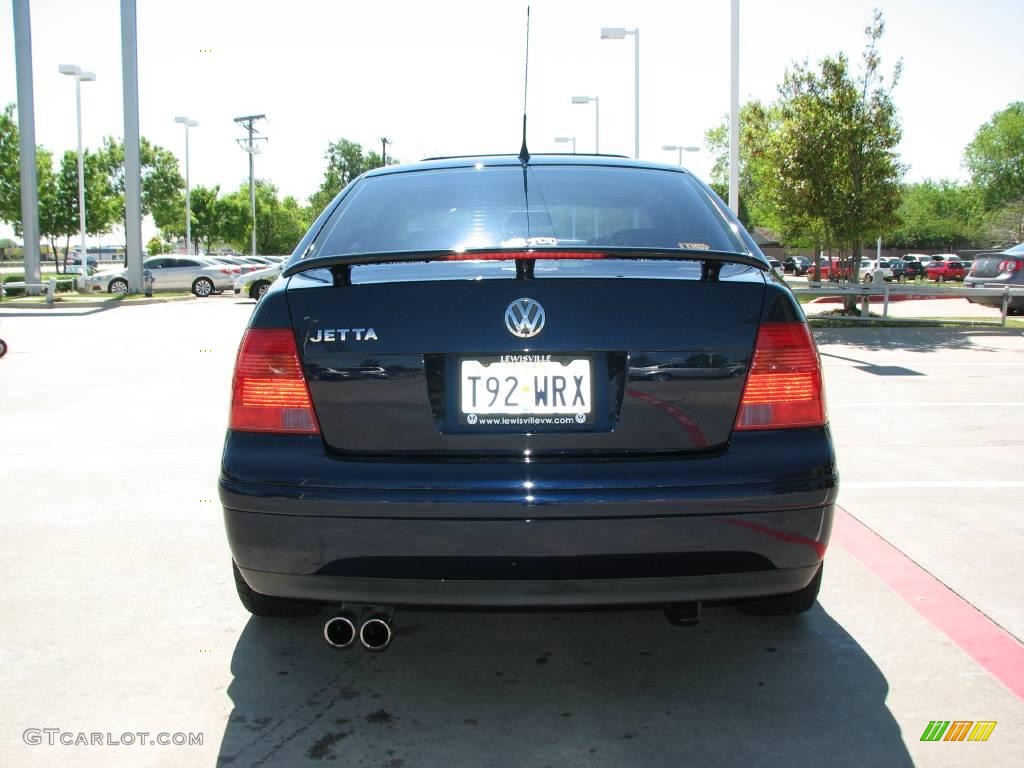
979,637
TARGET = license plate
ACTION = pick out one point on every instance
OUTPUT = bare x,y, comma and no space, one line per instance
542,386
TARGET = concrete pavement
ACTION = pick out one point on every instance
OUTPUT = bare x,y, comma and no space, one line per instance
120,615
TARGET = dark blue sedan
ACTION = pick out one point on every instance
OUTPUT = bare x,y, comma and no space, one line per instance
587,389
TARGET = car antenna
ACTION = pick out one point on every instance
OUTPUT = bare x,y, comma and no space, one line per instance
524,153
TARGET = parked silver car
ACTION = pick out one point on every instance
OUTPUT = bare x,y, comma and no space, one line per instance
255,284
997,270
170,273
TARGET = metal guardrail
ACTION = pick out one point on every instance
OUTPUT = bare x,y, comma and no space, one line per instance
50,286
864,291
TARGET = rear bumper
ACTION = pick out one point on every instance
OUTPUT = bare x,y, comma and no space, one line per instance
556,534
529,562
1016,302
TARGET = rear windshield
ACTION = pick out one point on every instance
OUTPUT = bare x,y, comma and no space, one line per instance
509,207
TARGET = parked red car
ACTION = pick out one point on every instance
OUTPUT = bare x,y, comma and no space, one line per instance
830,270
941,271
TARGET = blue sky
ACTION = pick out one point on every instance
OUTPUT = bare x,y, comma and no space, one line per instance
445,77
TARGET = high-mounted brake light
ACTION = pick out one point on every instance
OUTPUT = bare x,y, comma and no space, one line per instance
526,255
269,392
784,386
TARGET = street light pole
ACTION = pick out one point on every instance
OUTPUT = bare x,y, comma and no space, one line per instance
27,142
79,75
618,33
680,148
188,185
566,140
597,118
734,109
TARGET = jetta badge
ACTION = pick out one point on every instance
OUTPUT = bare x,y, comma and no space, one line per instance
524,318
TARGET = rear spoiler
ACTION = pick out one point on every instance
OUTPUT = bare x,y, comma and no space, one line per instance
711,261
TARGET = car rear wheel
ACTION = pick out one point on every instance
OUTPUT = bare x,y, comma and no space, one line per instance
202,287
118,286
258,289
3,347
940,278
800,601
265,605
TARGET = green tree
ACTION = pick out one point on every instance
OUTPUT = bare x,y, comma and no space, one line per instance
757,123
345,161
995,158
280,224
58,217
207,222
162,185
939,215
10,179
156,246
837,174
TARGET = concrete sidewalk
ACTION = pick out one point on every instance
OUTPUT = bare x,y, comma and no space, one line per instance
120,613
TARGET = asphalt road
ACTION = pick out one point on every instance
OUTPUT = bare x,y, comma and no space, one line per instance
119,614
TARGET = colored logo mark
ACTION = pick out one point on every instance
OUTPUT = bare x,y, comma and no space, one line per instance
958,730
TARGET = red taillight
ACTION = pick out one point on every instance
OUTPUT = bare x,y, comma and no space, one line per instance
269,392
527,255
1011,265
784,387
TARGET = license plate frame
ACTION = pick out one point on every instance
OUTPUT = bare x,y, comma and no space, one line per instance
566,412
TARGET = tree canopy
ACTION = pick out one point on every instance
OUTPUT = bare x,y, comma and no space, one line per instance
345,161
995,158
819,166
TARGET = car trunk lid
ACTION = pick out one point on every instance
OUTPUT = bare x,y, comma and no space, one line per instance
653,364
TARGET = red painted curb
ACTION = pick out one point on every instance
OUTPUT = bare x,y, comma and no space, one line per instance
992,647
880,299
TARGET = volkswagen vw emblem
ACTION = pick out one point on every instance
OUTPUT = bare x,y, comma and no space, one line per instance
524,318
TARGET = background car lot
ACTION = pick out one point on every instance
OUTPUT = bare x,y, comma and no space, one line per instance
172,273
136,565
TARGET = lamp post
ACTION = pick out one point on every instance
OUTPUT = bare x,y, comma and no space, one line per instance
734,107
188,186
680,148
618,33
80,77
597,118
566,140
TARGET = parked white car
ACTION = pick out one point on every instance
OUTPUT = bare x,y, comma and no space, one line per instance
170,273
868,267
255,284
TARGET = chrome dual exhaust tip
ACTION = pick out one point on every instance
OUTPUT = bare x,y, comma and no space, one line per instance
374,628
375,634
340,631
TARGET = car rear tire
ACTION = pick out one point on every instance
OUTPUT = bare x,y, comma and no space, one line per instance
118,286
793,603
258,289
3,347
202,287
265,605
940,278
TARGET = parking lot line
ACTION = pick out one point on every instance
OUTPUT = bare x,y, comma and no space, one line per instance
973,632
